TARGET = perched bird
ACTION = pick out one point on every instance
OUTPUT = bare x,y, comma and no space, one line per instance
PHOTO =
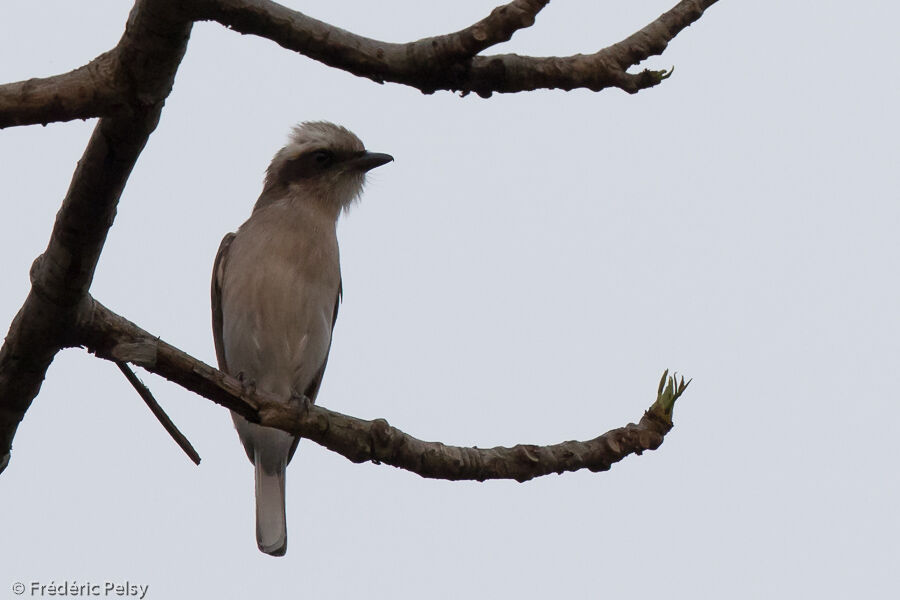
276,287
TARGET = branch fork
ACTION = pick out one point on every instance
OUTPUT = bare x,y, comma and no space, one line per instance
127,87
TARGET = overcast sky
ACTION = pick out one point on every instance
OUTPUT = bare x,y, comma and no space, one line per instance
523,272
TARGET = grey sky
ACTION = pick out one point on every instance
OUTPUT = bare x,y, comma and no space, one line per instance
523,272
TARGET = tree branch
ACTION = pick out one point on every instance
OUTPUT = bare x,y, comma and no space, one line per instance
496,28
150,51
112,337
448,62
88,91
104,86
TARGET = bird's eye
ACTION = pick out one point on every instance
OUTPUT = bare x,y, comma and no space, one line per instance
322,158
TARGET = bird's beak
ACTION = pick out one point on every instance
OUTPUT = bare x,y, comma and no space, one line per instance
369,160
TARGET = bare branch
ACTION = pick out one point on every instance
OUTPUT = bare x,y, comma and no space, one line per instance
88,91
447,62
30,346
151,47
653,39
496,28
510,73
61,276
112,337
361,55
158,412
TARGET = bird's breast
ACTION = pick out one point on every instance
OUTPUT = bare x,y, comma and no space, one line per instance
279,290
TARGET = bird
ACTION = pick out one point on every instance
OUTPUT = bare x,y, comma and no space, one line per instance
276,288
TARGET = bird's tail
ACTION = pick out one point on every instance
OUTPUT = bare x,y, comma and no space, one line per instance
271,524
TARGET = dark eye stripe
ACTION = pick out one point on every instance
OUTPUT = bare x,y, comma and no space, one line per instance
308,164
322,157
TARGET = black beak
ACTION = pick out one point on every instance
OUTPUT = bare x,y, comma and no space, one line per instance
369,160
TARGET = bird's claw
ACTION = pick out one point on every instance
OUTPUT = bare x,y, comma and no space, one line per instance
300,402
247,384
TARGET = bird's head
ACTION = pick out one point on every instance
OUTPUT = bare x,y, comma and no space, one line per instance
322,162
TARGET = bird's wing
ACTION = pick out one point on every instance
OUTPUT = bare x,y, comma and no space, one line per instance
312,390
218,276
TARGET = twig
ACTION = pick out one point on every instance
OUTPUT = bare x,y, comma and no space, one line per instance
158,411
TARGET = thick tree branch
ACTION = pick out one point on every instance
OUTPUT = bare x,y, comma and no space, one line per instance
62,274
88,91
150,50
112,337
449,62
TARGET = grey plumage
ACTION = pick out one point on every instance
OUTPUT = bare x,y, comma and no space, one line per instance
275,292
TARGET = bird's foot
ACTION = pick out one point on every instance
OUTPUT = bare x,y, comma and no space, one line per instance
300,403
248,384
